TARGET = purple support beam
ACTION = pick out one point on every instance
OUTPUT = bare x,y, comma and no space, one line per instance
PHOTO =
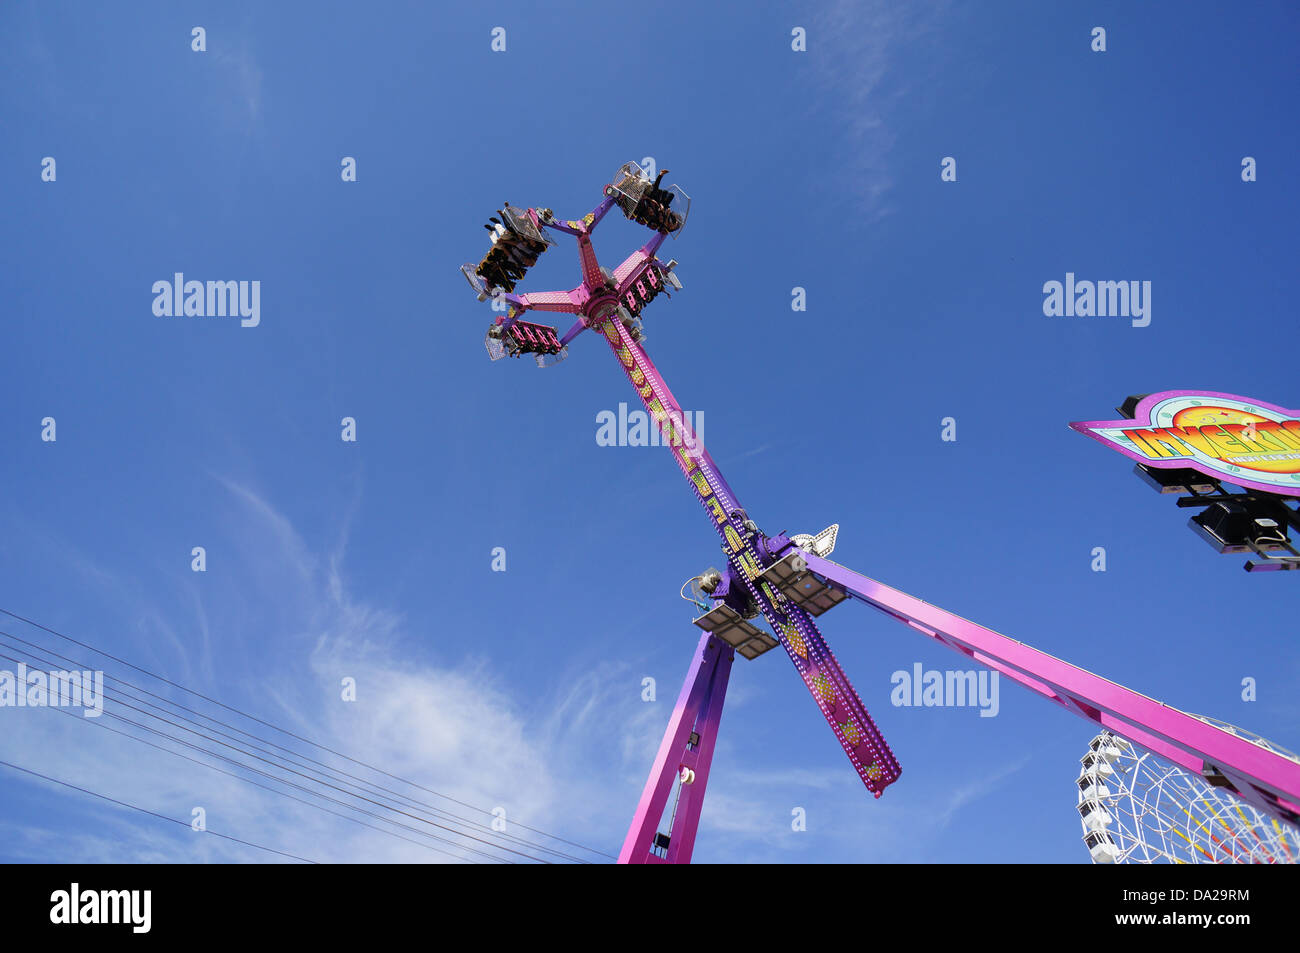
699,758
578,327
1266,779
699,710
584,225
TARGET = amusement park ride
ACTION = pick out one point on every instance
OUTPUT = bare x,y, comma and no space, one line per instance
789,580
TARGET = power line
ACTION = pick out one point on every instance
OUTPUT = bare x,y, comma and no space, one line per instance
288,733
161,817
442,814
231,774
299,787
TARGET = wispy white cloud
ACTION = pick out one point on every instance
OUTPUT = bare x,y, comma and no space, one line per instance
861,52
245,78
755,451
454,727
979,788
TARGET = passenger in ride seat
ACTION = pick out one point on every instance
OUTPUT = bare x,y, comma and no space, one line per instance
501,234
521,258
517,249
498,253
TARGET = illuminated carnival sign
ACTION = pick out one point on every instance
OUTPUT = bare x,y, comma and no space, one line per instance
1235,439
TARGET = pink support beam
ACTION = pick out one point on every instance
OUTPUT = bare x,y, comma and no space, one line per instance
699,757
698,711
1266,779
817,666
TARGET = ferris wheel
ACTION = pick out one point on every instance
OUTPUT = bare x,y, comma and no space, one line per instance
1137,808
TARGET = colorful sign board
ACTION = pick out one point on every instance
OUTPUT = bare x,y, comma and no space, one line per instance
1246,442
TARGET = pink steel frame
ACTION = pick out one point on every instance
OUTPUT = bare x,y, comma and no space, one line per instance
1254,773
698,711
1260,776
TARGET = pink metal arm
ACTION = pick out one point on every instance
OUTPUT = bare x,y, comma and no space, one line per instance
812,658
1265,778
634,260
630,264
569,302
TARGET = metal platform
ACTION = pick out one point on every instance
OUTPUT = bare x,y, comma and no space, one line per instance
791,578
745,637
1175,480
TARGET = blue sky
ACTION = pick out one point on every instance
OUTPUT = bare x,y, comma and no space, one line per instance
816,169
